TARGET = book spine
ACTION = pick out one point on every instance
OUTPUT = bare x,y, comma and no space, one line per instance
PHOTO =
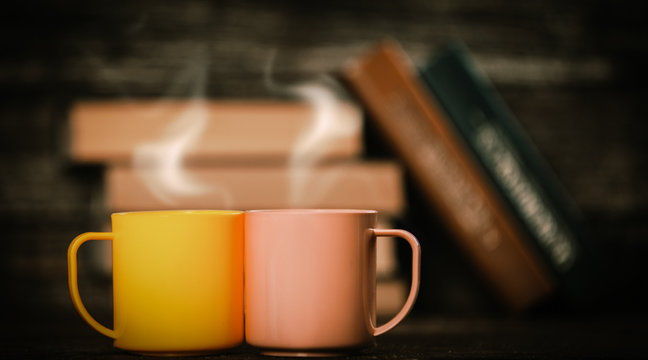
390,88
524,193
374,185
220,130
506,155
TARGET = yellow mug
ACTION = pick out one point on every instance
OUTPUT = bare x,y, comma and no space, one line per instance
177,281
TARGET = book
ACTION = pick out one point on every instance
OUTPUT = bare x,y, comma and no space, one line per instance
513,164
239,154
389,86
365,185
368,185
391,288
213,130
386,262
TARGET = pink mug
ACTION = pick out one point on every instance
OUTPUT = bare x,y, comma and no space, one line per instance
310,280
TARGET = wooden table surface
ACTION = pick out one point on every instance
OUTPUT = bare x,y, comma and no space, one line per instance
65,336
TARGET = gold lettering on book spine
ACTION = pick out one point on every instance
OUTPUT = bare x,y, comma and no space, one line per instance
526,196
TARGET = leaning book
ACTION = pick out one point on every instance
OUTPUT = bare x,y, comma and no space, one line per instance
516,168
388,84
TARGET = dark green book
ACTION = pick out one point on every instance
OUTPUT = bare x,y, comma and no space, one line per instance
515,167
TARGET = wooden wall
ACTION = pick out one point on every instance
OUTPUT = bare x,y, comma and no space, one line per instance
572,71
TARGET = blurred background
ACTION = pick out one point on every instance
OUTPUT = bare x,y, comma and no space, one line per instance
573,73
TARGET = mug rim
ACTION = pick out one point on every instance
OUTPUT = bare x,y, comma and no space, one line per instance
311,211
178,212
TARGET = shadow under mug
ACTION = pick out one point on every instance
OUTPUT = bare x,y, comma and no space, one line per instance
177,281
310,280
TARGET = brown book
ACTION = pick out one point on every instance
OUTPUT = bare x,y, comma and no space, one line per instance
112,131
388,84
368,185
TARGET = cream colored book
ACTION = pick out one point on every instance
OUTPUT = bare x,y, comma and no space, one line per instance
366,185
208,130
391,289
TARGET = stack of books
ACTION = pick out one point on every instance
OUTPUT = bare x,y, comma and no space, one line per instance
471,159
240,154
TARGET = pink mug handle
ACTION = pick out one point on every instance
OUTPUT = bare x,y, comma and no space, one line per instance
416,266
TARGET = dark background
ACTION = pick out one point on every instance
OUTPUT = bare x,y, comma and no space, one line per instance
573,72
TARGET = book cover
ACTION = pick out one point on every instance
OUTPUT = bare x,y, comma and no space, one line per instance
512,163
389,86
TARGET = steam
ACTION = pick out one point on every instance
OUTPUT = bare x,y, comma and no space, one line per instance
159,163
329,123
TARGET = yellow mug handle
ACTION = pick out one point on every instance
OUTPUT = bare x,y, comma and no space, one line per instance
73,282
414,288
